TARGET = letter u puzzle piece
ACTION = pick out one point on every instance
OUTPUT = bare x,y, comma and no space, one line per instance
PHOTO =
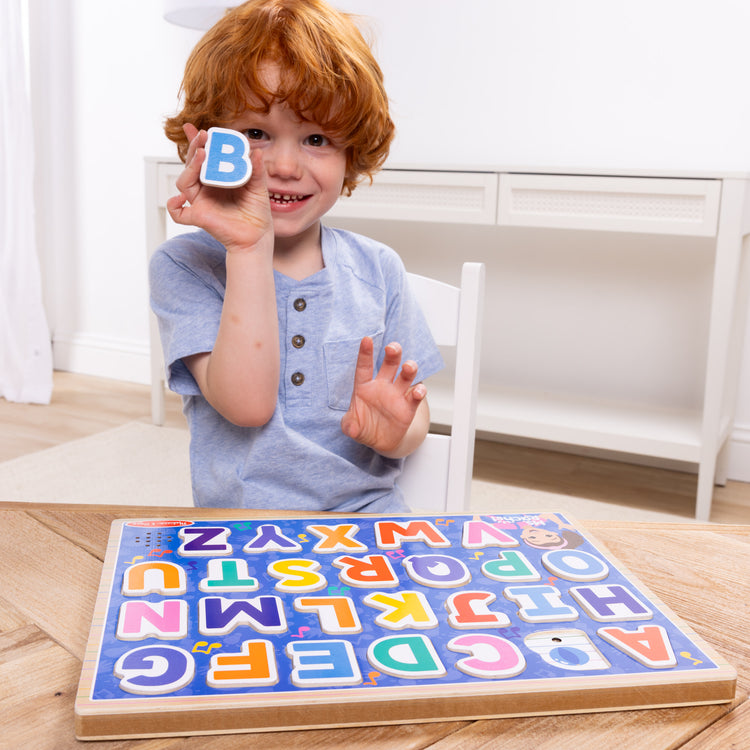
254,625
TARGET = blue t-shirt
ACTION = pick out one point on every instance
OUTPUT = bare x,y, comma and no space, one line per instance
300,459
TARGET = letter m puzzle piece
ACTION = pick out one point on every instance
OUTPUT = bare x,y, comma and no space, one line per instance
227,163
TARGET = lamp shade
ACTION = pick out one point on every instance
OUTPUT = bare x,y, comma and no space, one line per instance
196,14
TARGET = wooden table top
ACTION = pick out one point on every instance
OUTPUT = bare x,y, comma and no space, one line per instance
50,564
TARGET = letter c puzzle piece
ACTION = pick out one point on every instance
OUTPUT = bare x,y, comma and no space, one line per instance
490,657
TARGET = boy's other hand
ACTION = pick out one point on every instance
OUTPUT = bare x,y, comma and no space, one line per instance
382,411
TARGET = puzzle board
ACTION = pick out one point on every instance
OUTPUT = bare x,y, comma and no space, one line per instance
206,626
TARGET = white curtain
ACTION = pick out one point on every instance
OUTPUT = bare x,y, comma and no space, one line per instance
25,349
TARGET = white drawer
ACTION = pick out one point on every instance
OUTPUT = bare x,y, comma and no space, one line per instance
624,204
462,197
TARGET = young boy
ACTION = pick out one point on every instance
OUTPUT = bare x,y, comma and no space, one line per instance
271,323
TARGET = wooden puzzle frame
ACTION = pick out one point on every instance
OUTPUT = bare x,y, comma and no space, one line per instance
211,626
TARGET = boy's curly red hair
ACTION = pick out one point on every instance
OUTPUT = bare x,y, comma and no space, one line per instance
327,74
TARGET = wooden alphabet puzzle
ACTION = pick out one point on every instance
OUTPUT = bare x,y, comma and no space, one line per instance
206,626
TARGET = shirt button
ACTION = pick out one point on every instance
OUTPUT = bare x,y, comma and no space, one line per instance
298,341
299,304
298,378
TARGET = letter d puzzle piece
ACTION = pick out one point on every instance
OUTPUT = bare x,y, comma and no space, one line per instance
227,162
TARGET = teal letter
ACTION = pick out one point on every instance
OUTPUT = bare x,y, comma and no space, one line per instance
410,656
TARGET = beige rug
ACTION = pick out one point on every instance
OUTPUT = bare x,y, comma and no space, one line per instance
136,464
139,464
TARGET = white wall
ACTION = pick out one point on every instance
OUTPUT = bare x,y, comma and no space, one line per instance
105,75
650,83
558,83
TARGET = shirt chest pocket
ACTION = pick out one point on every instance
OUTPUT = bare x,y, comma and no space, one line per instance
340,365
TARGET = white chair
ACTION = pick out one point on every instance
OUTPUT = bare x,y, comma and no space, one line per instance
437,476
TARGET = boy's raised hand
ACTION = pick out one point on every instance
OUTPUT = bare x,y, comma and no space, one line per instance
239,218
386,413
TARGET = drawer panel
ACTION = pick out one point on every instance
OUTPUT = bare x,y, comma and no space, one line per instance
459,197
625,204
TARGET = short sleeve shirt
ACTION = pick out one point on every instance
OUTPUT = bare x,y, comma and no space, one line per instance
300,459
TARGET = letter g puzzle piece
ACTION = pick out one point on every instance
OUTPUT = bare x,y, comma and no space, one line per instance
227,163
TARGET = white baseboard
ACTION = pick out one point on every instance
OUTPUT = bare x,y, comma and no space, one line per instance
104,357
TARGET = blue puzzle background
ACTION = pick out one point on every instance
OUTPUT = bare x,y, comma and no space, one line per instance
161,543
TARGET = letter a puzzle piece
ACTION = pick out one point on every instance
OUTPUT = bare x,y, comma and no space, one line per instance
227,163
649,644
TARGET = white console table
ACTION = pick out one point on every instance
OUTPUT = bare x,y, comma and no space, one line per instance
705,205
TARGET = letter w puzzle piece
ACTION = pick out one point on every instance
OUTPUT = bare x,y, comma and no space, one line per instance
299,623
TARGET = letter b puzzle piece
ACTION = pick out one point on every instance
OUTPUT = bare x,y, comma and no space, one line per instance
227,163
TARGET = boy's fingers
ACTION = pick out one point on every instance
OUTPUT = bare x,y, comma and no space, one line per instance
419,392
363,370
406,377
194,141
409,371
391,362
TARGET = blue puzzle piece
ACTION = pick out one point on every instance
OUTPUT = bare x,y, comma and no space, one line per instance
227,163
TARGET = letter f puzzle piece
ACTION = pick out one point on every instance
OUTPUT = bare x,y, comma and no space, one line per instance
227,163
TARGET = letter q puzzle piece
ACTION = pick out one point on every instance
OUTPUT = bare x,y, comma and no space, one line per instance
227,163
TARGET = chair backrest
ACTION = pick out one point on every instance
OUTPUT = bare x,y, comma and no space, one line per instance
437,476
